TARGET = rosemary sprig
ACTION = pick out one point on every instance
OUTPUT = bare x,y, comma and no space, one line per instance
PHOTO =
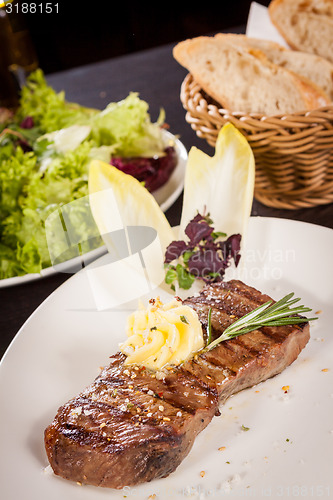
269,314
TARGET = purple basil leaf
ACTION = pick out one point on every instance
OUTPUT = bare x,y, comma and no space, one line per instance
208,257
198,218
231,248
211,245
174,251
234,247
203,262
197,231
202,218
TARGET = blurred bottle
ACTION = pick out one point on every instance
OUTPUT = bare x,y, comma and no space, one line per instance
17,55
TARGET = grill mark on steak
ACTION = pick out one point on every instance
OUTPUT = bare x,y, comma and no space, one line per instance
104,423
137,404
115,429
130,426
170,390
250,349
216,364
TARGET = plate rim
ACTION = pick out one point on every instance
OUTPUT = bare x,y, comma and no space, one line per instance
258,221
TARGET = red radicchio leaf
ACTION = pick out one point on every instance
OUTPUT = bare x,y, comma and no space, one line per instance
154,172
27,122
25,146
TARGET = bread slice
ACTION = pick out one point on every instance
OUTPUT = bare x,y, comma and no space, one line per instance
315,68
306,25
244,80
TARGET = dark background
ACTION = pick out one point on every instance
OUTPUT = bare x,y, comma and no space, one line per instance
81,34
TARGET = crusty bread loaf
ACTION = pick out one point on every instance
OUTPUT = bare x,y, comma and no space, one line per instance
244,80
317,69
306,25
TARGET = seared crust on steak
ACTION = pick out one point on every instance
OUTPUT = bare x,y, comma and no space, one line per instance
131,426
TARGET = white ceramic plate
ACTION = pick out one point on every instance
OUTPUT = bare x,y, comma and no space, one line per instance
165,196
287,451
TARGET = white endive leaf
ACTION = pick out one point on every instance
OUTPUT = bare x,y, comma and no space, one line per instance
221,185
67,139
118,200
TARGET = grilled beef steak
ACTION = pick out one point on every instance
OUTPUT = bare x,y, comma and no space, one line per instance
131,426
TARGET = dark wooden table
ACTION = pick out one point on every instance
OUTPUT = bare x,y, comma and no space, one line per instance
157,77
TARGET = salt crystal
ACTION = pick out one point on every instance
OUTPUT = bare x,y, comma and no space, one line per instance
77,411
236,478
226,486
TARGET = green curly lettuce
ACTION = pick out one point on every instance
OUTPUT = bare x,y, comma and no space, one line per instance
48,108
44,166
28,197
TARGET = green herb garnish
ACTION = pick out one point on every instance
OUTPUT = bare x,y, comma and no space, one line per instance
179,273
269,314
183,319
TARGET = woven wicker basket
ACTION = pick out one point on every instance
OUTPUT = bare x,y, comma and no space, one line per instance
293,153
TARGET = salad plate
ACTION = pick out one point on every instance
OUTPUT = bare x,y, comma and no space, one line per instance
165,196
272,440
